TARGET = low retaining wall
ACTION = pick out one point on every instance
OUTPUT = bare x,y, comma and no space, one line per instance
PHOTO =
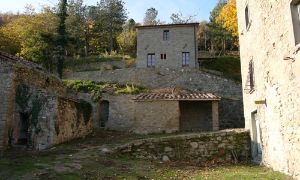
221,146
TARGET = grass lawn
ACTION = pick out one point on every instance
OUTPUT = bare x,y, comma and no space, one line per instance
229,66
82,159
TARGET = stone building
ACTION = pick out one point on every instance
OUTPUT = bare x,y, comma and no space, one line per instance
36,110
167,46
270,43
159,112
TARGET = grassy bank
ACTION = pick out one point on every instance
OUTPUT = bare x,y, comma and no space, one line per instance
229,66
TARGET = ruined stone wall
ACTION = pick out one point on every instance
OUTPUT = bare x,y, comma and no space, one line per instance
231,105
156,117
182,39
30,92
221,146
73,120
6,83
268,40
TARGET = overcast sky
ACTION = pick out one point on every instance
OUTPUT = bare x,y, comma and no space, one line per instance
135,8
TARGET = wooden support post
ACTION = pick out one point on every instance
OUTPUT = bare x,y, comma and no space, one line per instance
215,115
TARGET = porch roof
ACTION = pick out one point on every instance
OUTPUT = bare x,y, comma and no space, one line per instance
182,96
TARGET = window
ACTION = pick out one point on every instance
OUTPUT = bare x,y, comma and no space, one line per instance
185,59
247,16
163,56
166,35
295,9
151,60
250,79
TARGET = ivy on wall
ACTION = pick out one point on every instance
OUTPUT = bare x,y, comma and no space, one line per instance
30,103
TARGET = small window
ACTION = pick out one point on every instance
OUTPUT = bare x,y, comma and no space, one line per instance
247,16
250,84
151,60
185,59
295,9
163,56
166,35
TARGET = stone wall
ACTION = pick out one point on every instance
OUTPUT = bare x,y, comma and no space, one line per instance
38,102
106,65
269,41
156,117
73,120
222,146
231,105
6,82
121,112
182,39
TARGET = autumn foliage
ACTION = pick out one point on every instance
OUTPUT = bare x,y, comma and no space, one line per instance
228,18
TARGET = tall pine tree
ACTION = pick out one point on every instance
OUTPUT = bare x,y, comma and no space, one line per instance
62,36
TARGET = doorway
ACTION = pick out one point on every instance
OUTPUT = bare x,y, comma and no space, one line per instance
195,116
256,143
104,113
23,129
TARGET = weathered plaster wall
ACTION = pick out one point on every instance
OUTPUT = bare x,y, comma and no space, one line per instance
156,117
182,39
214,146
231,105
267,41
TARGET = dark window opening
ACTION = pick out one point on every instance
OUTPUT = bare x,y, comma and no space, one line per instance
247,16
24,129
166,35
250,84
163,56
295,9
104,113
151,60
185,59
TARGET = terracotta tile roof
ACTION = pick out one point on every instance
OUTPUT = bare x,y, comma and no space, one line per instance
183,96
18,60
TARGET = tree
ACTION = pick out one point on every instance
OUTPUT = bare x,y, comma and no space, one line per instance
228,18
203,36
177,18
76,26
62,36
220,38
113,16
30,35
127,40
151,17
